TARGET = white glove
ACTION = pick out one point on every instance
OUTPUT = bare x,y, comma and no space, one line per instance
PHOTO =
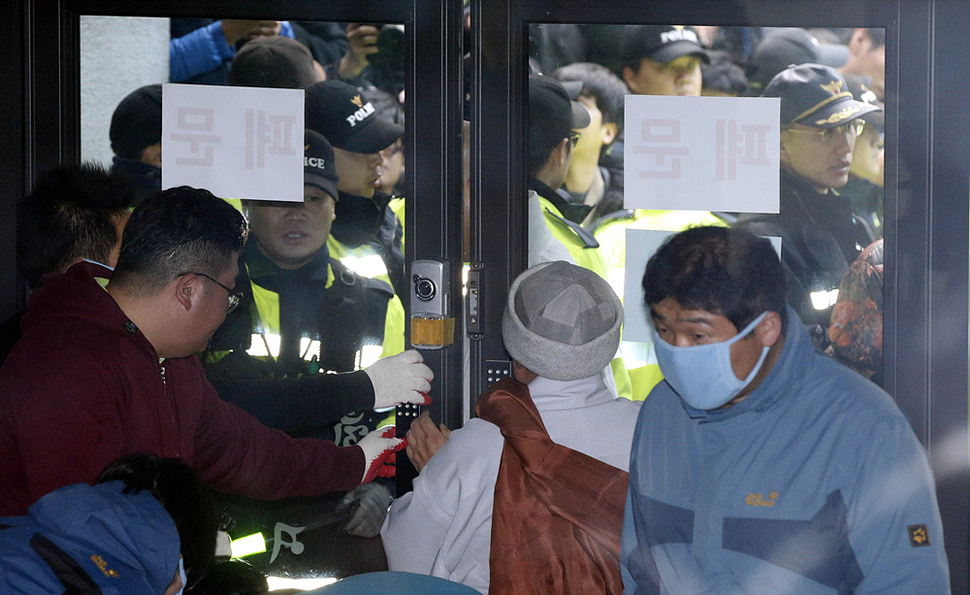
372,500
380,449
401,378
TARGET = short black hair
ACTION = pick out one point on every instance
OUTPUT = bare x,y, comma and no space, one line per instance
722,270
606,89
71,214
276,62
177,231
723,75
876,35
182,494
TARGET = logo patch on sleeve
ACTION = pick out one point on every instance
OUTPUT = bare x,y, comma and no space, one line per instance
918,535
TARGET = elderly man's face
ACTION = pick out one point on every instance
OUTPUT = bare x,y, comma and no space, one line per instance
820,157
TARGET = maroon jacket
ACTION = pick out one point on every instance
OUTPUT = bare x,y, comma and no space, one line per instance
84,386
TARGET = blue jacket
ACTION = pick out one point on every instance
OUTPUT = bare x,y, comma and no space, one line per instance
95,538
814,483
204,50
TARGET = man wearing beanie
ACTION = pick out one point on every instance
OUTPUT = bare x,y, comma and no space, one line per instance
366,236
820,122
533,487
136,139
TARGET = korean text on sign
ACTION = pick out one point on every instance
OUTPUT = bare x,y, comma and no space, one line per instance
702,153
237,142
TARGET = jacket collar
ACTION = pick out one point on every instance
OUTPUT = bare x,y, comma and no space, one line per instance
557,395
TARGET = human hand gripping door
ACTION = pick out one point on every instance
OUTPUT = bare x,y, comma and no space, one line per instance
401,378
424,439
380,452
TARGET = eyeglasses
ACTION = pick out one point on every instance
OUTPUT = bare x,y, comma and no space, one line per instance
234,296
574,138
852,129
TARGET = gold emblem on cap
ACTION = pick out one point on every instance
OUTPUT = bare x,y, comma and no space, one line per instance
846,112
834,87
357,101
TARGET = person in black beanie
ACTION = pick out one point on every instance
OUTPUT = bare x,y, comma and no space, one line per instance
136,139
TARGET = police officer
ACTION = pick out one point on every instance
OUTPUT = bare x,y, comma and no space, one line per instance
366,235
306,315
553,119
820,121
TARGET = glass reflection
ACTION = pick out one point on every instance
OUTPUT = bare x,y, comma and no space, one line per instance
317,277
831,221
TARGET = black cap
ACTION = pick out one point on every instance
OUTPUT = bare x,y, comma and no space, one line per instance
337,111
791,45
815,95
137,122
662,43
550,101
319,168
276,61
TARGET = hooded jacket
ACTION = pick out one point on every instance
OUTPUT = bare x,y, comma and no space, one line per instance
89,540
84,386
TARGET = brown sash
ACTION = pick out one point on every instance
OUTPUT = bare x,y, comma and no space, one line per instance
558,513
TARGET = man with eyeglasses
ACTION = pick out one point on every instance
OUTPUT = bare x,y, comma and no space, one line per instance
104,372
820,121
554,119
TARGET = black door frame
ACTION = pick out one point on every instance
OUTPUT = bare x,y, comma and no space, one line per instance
928,125
41,126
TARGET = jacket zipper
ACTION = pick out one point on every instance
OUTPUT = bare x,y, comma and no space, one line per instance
171,409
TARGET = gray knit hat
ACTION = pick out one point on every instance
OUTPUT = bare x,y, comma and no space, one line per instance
562,321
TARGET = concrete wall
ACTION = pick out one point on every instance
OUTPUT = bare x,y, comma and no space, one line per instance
118,55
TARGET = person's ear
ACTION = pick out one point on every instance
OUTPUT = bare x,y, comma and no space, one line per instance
783,155
630,78
188,291
522,374
860,42
768,330
562,151
608,132
152,154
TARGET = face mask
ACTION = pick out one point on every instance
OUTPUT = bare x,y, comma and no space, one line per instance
702,374
182,576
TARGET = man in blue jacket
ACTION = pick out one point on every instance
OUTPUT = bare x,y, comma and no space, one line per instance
84,539
759,466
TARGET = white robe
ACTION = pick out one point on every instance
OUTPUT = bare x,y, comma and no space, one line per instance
444,527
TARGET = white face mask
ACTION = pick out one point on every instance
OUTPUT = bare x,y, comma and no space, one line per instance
181,576
702,374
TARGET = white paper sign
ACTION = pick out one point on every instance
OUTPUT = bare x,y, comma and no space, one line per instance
701,153
641,244
237,142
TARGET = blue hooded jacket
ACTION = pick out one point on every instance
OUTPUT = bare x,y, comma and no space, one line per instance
89,540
